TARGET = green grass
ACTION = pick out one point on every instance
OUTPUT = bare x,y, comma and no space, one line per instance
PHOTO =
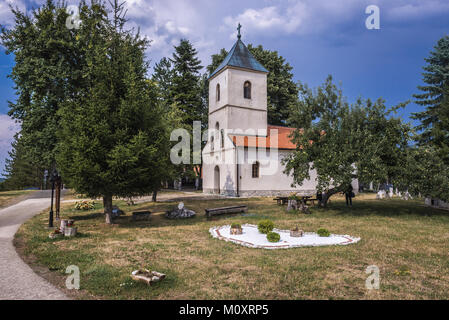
407,241
8,197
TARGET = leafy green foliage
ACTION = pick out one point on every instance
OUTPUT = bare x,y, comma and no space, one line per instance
273,237
114,136
425,172
323,232
20,171
265,226
85,205
434,97
344,142
44,76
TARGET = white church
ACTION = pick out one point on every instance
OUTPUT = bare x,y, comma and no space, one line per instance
243,153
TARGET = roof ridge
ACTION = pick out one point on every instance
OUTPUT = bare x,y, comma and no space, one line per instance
240,56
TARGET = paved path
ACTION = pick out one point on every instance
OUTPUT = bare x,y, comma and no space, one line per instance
17,279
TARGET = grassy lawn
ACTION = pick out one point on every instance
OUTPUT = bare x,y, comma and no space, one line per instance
9,197
396,235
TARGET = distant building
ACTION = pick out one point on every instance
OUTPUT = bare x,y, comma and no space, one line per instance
436,203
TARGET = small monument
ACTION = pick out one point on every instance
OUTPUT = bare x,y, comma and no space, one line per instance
180,212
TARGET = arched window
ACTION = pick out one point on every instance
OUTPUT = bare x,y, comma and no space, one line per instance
218,92
222,138
212,144
255,170
247,90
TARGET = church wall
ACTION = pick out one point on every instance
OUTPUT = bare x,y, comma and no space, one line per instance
238,118
277,183
222,79
223,158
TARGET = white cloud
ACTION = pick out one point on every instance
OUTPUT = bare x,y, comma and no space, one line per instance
6,16
415,9
8,128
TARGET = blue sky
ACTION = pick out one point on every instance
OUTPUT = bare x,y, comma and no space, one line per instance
317,37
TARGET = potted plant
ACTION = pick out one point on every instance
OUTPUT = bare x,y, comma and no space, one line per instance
55,234
296,233
236,229
70,230
265,226
273,237
323,232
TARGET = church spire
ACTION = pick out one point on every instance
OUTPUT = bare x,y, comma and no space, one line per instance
239,36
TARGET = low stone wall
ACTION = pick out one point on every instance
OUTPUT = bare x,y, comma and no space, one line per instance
263,193
436,203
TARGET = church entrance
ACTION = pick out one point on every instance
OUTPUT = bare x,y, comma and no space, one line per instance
217,180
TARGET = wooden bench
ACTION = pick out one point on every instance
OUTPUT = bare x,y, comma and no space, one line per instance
281,200
217,211
141,215
305,200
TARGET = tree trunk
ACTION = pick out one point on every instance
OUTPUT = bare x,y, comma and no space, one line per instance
107,203
154,199
327,195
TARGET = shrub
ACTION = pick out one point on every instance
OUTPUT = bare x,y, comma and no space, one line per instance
273,237
236,226
84,205
323,232
265,226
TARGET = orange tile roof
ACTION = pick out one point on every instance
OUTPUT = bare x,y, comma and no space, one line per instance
282,138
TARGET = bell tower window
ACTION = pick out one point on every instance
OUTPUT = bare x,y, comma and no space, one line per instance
247,90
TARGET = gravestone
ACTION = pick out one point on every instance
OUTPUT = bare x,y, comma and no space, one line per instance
180,213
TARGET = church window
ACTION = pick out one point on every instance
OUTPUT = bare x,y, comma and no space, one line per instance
222,138
247,90
255,170
218,92
212,144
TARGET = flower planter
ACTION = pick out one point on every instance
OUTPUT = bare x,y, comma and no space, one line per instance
55,235
147,276
236,231
296,233
70,231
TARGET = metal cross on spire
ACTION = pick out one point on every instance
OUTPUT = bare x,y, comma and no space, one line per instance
239,36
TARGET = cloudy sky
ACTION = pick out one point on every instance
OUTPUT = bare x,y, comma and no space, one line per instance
317,37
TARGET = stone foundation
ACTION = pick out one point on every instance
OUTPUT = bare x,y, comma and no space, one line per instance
263,193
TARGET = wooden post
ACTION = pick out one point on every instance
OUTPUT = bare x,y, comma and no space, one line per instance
58,197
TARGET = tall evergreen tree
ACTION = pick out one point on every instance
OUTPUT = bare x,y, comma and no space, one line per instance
281,89
434,97
20,171
44,67
163,75
114,138
186,89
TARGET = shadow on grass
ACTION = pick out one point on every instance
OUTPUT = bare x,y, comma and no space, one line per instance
385,208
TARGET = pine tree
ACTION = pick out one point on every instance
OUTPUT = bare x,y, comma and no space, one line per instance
42,74
114,139
186,89
163,75
20,171
435,97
